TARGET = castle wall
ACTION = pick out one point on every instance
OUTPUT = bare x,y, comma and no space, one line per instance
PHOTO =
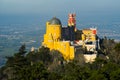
52,40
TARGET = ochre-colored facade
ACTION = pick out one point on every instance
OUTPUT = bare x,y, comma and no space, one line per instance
89,34
52,40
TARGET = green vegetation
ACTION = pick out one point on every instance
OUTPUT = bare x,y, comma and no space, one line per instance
44,64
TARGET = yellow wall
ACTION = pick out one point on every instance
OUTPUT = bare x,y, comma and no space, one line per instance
87,31
65,48
88,34
54,30
52,41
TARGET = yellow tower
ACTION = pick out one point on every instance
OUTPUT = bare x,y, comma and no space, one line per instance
53,32
52,39
54,28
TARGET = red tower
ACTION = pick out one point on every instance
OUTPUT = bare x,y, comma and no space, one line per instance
72,20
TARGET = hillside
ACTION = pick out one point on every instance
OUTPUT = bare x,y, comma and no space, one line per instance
44,64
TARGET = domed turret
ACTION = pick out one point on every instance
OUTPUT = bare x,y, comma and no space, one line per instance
52,39
55,21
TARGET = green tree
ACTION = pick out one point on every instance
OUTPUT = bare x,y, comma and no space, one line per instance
43,55
57,60
115,54
117,47
115,75
72,71
108,68
95,75
22,50
35,72
15,63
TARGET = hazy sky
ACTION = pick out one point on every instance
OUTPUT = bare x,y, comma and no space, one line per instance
56,7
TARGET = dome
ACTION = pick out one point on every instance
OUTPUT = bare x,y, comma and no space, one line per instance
55,21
